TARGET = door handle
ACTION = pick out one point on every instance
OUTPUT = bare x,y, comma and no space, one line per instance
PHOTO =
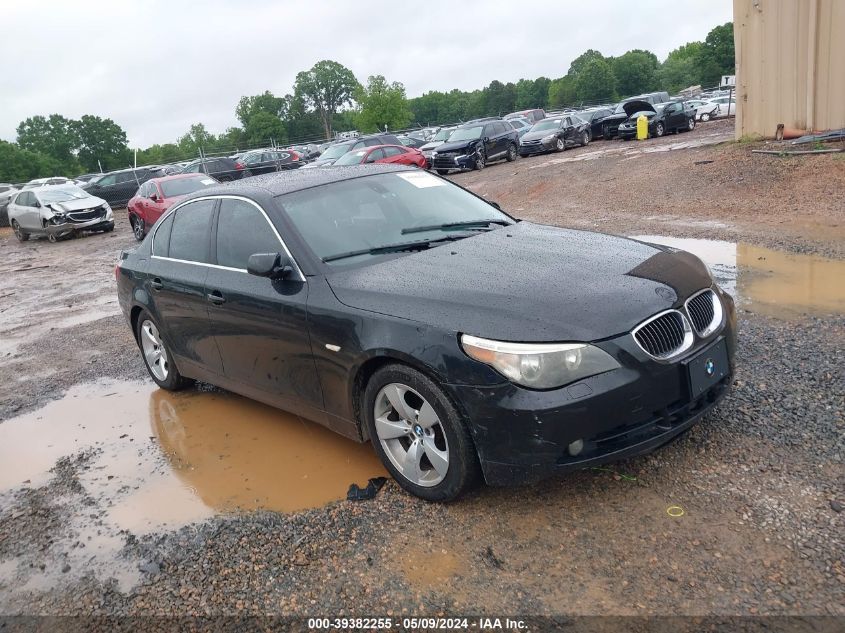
216,297
156,284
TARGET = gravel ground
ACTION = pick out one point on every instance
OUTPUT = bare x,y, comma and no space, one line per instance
760,480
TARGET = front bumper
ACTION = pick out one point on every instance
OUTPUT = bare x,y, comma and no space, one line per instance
463,161
523,436
100,223
626,132
536,148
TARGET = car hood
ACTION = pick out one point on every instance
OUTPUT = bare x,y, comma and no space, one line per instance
457,146
320,162
637,106
535,136
76,205
431,145
527,282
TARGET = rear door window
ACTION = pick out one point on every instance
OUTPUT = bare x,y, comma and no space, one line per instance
161,238
243,230
191,232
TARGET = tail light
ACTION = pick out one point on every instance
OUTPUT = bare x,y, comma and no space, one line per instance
294,155
239,165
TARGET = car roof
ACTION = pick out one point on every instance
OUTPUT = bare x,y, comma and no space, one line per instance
372,147
177,177
279,183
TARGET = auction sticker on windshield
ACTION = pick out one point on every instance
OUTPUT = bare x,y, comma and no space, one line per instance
421,179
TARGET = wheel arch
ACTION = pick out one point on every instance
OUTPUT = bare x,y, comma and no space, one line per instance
381,358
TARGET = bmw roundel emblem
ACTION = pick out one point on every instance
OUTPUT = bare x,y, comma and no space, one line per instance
709,367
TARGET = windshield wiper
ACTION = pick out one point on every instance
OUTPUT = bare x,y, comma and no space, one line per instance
394,248
455,225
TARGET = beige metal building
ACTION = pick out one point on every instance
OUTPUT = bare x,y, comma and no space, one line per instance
790,65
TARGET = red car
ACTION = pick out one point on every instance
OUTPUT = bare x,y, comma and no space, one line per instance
394,154
157,195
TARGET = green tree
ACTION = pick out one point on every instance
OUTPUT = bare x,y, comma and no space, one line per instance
595,82
532,93
635,72
196,138
382,105
680,70
20,165
326,88
580,62
53,136
264,126
717,56
266,102
562,92
101,142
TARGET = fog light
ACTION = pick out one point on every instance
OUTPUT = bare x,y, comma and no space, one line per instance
576,447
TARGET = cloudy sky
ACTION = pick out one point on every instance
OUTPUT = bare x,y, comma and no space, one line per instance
157,66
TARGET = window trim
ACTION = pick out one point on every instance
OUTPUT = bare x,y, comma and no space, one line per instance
217,199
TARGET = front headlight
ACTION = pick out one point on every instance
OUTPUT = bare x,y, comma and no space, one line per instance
549,138
539,366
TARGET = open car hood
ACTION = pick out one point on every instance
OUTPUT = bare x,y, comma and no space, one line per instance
637,106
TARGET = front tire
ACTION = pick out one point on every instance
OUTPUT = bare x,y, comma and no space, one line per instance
705,117
418,434
480,161
585,138
22,235
157,358
511,155
442,172
659,130
560,145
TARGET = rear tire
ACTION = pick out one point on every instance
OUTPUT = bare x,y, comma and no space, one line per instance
691,124
705,117
659,130
22,235
511,155
436,429
157,358
137,227
585,138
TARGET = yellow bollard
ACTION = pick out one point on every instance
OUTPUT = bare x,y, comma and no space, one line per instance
642,127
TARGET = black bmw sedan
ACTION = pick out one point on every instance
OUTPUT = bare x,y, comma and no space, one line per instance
393,306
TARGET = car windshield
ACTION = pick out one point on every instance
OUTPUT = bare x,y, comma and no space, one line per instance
352,158
184,186
443,134
466,134
372,212
336,151
62,194
546,124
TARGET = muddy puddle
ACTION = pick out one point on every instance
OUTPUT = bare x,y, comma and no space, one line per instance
159,459
766,281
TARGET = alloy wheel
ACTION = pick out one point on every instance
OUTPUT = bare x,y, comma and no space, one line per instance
691,124
479,160
138,228
705,117
52,237
155,354
411,434
560,145
658,131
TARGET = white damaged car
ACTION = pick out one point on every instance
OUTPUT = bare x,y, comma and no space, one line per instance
58,211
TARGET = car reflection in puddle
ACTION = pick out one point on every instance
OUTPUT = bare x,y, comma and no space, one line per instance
161,460
774,283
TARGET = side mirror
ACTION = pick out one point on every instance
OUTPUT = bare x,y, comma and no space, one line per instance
486,139
154,197
37,205
271,265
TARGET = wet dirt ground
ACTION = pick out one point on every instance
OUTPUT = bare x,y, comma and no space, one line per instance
118,498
